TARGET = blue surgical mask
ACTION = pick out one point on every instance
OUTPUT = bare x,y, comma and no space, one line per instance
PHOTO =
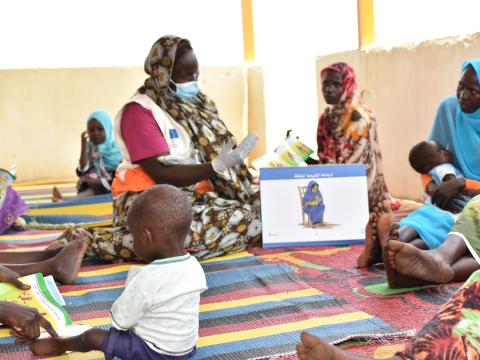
187,90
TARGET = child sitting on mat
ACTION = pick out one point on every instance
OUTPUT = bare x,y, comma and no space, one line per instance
12,205
99,157
157,315
428,157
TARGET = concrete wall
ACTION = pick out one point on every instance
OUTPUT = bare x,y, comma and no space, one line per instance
404,86
43,111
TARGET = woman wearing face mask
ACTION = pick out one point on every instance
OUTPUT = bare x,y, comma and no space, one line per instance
170,133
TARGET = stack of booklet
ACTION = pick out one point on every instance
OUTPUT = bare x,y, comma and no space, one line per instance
291,152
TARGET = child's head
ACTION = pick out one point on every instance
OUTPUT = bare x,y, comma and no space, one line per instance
426,155
99,127
159,220
96,132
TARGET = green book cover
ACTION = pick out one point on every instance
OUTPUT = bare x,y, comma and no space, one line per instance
45,298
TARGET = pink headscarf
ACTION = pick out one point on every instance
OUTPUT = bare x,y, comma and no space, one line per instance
349,81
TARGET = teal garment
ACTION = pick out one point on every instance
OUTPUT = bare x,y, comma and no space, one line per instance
431,223
111,154
459,132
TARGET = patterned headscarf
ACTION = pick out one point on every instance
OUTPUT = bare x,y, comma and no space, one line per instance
349,81
198,116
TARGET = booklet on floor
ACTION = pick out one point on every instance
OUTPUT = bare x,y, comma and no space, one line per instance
313,205
42,295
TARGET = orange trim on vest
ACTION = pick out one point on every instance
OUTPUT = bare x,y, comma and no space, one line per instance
203,187
136,180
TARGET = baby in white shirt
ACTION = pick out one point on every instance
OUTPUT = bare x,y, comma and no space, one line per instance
156,316
428,157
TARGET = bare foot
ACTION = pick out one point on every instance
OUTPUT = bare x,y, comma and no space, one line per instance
56,195
47,346
68,236
407,265
395,279
56,244
375,234
385,219
312,348
371,249
67,262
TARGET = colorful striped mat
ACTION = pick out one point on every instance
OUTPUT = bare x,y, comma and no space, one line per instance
250,310
92,211
40,191
333,270
256,306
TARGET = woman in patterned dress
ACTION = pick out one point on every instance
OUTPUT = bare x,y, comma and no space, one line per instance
170,132
347,130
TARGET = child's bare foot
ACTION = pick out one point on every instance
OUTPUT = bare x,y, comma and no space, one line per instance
67,262
312,348
407,265
47,346
56,195
375,233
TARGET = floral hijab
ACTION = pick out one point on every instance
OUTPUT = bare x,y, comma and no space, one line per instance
349,80
336,127
347,133
199,117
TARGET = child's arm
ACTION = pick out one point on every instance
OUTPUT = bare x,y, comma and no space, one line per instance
428,184
91,339
470,184
90,181
448,177
83,151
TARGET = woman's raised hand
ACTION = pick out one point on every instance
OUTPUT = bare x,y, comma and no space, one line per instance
84,138
229,157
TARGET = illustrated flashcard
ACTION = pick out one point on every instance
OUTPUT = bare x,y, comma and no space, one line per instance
314,205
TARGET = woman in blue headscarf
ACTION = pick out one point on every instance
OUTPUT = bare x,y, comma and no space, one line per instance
426,246
99,157
313,204
457,128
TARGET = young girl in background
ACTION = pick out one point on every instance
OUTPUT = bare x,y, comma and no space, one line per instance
99,157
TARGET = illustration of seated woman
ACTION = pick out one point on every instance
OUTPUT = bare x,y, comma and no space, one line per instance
313,204
99,158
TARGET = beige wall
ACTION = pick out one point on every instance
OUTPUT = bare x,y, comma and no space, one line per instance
43,111
256,108
404,86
